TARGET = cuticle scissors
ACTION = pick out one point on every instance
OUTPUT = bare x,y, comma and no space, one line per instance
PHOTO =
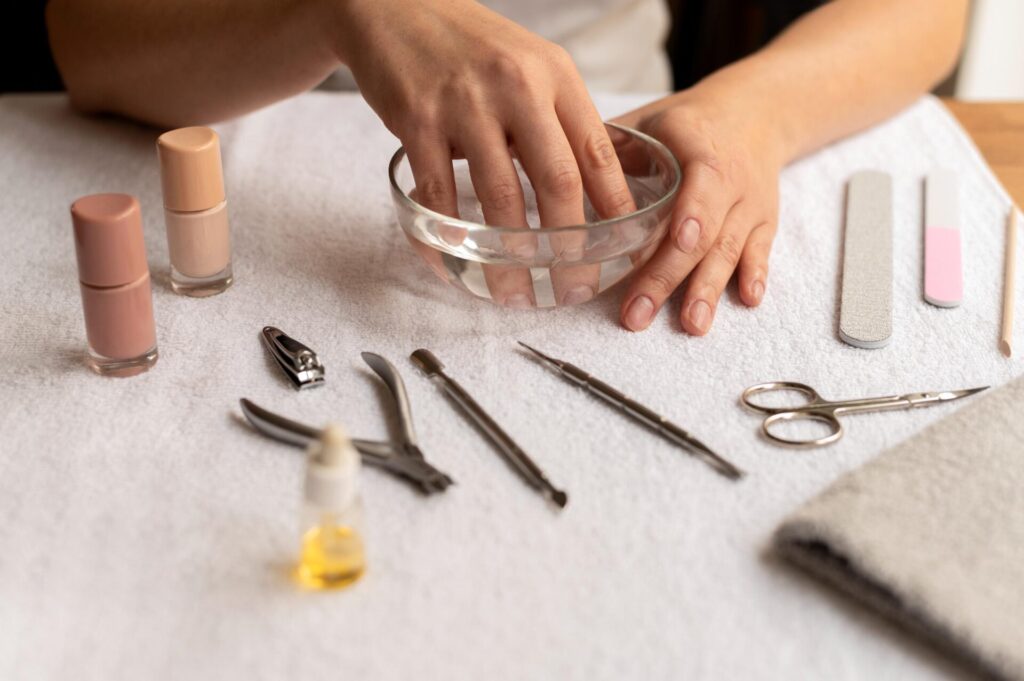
827,412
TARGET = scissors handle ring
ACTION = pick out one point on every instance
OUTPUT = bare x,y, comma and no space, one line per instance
777,386
819,415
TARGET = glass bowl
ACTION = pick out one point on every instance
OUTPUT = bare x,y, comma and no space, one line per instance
542,267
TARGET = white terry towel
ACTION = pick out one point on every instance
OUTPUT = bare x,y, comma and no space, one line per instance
931,533
146,533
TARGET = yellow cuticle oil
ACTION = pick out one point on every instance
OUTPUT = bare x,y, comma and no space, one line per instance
332,554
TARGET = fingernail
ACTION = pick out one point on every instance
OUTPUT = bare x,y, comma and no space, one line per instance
757,291
564,250
572,254
519,301
639,313
700,315
577,295
687,235
525,249
453,236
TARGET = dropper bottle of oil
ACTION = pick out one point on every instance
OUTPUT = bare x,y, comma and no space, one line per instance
332,549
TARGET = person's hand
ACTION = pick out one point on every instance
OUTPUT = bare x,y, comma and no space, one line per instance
725,215
452,79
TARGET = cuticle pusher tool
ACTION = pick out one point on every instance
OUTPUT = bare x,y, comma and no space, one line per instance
639,412
432,367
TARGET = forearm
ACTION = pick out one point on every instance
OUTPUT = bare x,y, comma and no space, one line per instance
188,62
841,68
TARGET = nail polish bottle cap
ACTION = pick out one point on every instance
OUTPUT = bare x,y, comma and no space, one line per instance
190,169
332,475
108,239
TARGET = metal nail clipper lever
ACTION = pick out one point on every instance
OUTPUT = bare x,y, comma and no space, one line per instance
639,412
298,362
513,453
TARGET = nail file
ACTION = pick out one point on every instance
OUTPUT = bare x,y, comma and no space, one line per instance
943,273
865,312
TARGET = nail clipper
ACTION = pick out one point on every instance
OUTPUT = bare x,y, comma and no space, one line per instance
298,362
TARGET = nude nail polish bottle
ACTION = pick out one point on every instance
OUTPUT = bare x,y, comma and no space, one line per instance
114,281
195,211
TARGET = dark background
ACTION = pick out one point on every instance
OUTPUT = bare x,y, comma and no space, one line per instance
708,34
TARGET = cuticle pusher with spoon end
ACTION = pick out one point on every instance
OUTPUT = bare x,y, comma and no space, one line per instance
639,412
434,370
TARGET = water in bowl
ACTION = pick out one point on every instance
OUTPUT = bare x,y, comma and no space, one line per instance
584,274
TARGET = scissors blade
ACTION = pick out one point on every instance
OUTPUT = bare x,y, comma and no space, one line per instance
949,395
957,394
912,400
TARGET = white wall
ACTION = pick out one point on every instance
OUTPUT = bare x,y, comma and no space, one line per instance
993,61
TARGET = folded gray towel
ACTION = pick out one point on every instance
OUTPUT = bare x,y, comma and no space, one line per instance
931,533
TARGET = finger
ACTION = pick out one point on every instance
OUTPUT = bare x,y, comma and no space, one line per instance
494,176
637,117
704,198
752,273
551,166
599,151
709,279
703,203
431,256
496,184
431,164
602,175
633,153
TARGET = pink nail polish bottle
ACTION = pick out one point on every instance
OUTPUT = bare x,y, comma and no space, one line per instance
195,211
114,280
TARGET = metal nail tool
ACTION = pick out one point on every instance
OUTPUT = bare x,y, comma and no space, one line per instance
298,362
527,469
401,456
820,410
639,412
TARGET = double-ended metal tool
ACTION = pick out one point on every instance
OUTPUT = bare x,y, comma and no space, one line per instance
639,412
431,366
401,455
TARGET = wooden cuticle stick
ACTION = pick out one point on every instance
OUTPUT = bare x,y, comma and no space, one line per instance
1009,279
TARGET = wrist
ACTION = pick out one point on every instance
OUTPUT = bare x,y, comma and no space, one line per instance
746,98
345,24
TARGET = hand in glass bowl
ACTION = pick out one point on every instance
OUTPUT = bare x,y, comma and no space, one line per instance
542,266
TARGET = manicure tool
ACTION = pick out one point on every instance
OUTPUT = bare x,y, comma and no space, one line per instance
820,410
1009,277
865,313
299,363
639,412
943,272
401,456
530,472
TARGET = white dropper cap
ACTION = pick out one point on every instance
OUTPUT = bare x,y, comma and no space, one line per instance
332,471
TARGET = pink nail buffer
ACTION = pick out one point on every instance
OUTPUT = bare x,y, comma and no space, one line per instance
943,274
